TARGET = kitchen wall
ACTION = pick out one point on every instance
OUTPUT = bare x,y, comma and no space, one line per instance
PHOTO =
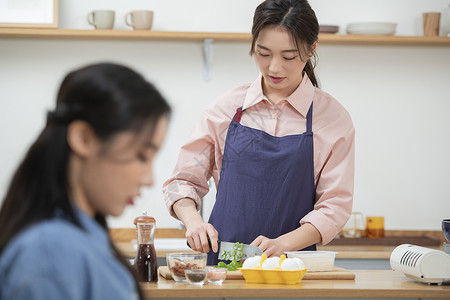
398,96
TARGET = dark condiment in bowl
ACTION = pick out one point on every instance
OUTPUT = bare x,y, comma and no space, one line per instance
196,277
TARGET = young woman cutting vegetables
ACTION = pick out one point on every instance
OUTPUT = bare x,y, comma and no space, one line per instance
280,150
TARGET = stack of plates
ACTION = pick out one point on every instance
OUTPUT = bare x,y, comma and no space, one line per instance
328,28
378,28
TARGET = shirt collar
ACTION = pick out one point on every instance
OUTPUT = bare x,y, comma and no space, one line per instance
300,99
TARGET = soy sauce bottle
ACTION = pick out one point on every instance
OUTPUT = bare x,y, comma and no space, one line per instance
145,261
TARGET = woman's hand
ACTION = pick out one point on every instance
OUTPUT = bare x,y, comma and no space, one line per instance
198,233
299,238
271,247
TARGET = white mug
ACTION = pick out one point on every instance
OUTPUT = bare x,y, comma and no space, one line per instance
140,19
101,19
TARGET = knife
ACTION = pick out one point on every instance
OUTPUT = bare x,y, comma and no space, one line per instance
227,247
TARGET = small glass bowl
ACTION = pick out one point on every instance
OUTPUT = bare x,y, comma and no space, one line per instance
196,276
216,275
179,262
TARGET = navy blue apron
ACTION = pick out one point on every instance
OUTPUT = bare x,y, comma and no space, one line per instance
266,184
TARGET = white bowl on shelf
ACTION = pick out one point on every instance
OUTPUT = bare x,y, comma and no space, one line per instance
372,28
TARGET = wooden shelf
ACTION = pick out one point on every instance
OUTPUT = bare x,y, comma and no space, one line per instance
72,34
374,40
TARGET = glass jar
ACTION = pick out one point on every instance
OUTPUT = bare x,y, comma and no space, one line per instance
145,261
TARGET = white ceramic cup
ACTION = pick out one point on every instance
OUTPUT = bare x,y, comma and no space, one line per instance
101,19
139,19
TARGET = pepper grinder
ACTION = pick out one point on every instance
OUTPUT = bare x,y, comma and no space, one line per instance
145,261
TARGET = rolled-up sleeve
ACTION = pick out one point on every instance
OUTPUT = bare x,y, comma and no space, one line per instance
334,178
200,158
193,169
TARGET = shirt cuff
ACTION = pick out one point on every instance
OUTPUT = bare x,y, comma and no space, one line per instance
177,190
326,227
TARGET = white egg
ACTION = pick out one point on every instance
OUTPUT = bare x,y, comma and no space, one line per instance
300,262
270,263
290,264
251,262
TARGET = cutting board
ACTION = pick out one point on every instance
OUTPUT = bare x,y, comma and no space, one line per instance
337,273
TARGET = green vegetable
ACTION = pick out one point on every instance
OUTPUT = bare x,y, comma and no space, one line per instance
234,265
234,256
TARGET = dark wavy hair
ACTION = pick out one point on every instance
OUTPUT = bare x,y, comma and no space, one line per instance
111,98
298,18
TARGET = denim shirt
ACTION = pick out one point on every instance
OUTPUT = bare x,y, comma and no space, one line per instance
57,260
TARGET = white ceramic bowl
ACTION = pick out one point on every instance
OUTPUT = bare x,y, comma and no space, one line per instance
315,260
375,28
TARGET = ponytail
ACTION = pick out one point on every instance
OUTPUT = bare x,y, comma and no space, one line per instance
39,186
309,70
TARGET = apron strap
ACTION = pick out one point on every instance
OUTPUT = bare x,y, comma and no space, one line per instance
309,119
238,115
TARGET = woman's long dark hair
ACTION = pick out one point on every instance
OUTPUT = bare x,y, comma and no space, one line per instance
298,18
111,99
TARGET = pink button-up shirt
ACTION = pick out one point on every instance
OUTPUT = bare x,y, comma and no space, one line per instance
334,140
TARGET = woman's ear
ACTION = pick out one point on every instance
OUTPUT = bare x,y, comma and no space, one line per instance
81,138
313,48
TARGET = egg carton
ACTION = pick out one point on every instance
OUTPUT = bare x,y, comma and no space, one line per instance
269,270
277,276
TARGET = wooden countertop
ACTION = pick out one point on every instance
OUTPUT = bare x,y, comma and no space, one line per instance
367,284
122,238
344,252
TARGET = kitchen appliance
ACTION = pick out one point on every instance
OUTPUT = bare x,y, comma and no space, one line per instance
421,264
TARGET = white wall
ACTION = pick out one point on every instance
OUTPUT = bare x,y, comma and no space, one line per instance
398,96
